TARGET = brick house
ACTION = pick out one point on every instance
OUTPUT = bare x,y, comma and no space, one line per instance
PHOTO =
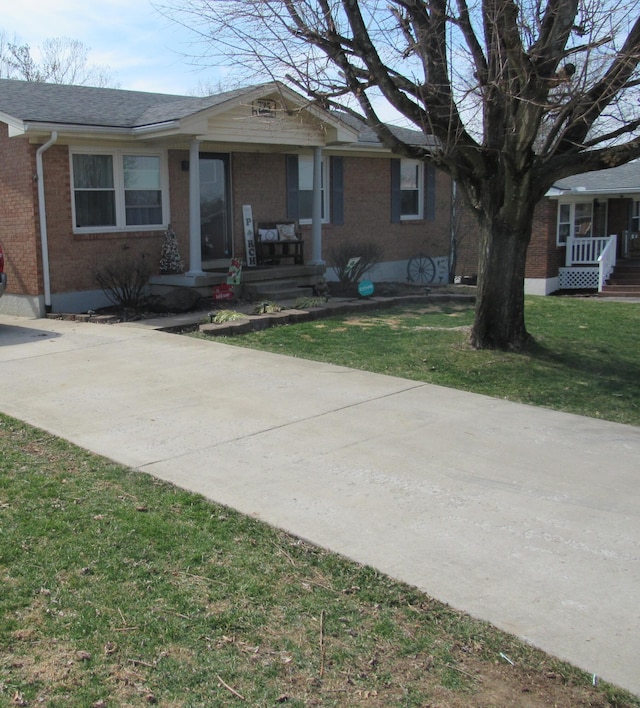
585,229
87,173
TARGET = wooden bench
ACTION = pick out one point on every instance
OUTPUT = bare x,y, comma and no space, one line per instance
272,249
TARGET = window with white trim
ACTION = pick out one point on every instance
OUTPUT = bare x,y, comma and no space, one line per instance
118,189
575,219
305,188
411,189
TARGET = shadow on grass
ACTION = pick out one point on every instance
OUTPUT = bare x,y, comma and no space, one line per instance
604,374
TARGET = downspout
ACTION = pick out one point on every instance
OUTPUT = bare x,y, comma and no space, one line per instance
43,219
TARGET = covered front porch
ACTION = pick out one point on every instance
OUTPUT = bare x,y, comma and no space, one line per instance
237,177
590,262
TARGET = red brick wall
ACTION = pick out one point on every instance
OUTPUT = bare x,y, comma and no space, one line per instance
543,256
19,229
260,180
257,179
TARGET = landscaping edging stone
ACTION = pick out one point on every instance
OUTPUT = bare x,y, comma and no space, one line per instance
250,323
253,323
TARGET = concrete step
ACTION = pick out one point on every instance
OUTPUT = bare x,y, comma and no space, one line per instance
620,291
278,290
624,279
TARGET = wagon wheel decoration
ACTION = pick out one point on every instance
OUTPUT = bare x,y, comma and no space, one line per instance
421,269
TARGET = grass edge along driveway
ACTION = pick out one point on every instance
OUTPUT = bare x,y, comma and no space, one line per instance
585,359
121,590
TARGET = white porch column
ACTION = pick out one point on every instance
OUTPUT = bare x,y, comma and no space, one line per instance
195,248
316,211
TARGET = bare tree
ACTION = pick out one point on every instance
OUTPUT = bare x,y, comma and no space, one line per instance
517,94
60,60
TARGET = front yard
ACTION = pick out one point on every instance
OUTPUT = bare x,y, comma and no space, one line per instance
586,358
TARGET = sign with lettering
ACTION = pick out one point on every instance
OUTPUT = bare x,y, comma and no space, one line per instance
249,236
365,288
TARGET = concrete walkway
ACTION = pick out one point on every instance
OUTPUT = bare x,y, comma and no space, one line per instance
524,517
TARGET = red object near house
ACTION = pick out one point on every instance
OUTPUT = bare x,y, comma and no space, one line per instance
223,292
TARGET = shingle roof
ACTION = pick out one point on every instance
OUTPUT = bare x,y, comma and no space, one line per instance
368,135
86,105
622,179
116,108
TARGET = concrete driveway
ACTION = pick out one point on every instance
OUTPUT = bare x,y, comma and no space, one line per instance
524,517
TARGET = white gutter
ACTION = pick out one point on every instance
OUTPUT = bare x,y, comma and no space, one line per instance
43,220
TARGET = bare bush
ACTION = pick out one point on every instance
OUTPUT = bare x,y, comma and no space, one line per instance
124,279
340,259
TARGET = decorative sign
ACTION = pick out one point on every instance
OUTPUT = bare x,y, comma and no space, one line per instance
351,264
265,107
235,271
365,288
249,236
223,292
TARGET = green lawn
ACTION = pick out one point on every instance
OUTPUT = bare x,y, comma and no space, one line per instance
120,590
585,360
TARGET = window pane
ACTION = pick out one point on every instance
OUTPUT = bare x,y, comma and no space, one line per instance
94,194
409,174
95,208
93,171
143,207
305,203
141,172
305,187
142,196
563,232
410,188
305,172
409,203
582,220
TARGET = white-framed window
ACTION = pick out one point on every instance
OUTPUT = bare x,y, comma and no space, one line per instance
121,189
411,189
574,219
305,188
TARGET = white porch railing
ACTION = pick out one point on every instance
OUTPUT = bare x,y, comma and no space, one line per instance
587,251
607,261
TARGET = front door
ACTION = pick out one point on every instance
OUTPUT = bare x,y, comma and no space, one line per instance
215,210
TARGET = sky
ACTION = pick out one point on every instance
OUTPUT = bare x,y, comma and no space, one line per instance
144,50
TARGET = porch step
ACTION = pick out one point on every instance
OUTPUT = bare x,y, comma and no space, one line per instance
610,290
625,279
277,290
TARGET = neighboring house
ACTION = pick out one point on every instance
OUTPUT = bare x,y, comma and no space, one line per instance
579,218
87,173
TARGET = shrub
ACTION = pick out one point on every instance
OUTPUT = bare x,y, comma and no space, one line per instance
124,279
226,316
369,253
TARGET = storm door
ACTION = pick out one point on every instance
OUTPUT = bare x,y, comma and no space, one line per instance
215,210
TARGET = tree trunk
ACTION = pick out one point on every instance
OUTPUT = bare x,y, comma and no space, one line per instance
499,316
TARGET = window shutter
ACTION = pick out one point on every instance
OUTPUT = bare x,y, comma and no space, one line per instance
395,192
430,191
337,191
292,187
